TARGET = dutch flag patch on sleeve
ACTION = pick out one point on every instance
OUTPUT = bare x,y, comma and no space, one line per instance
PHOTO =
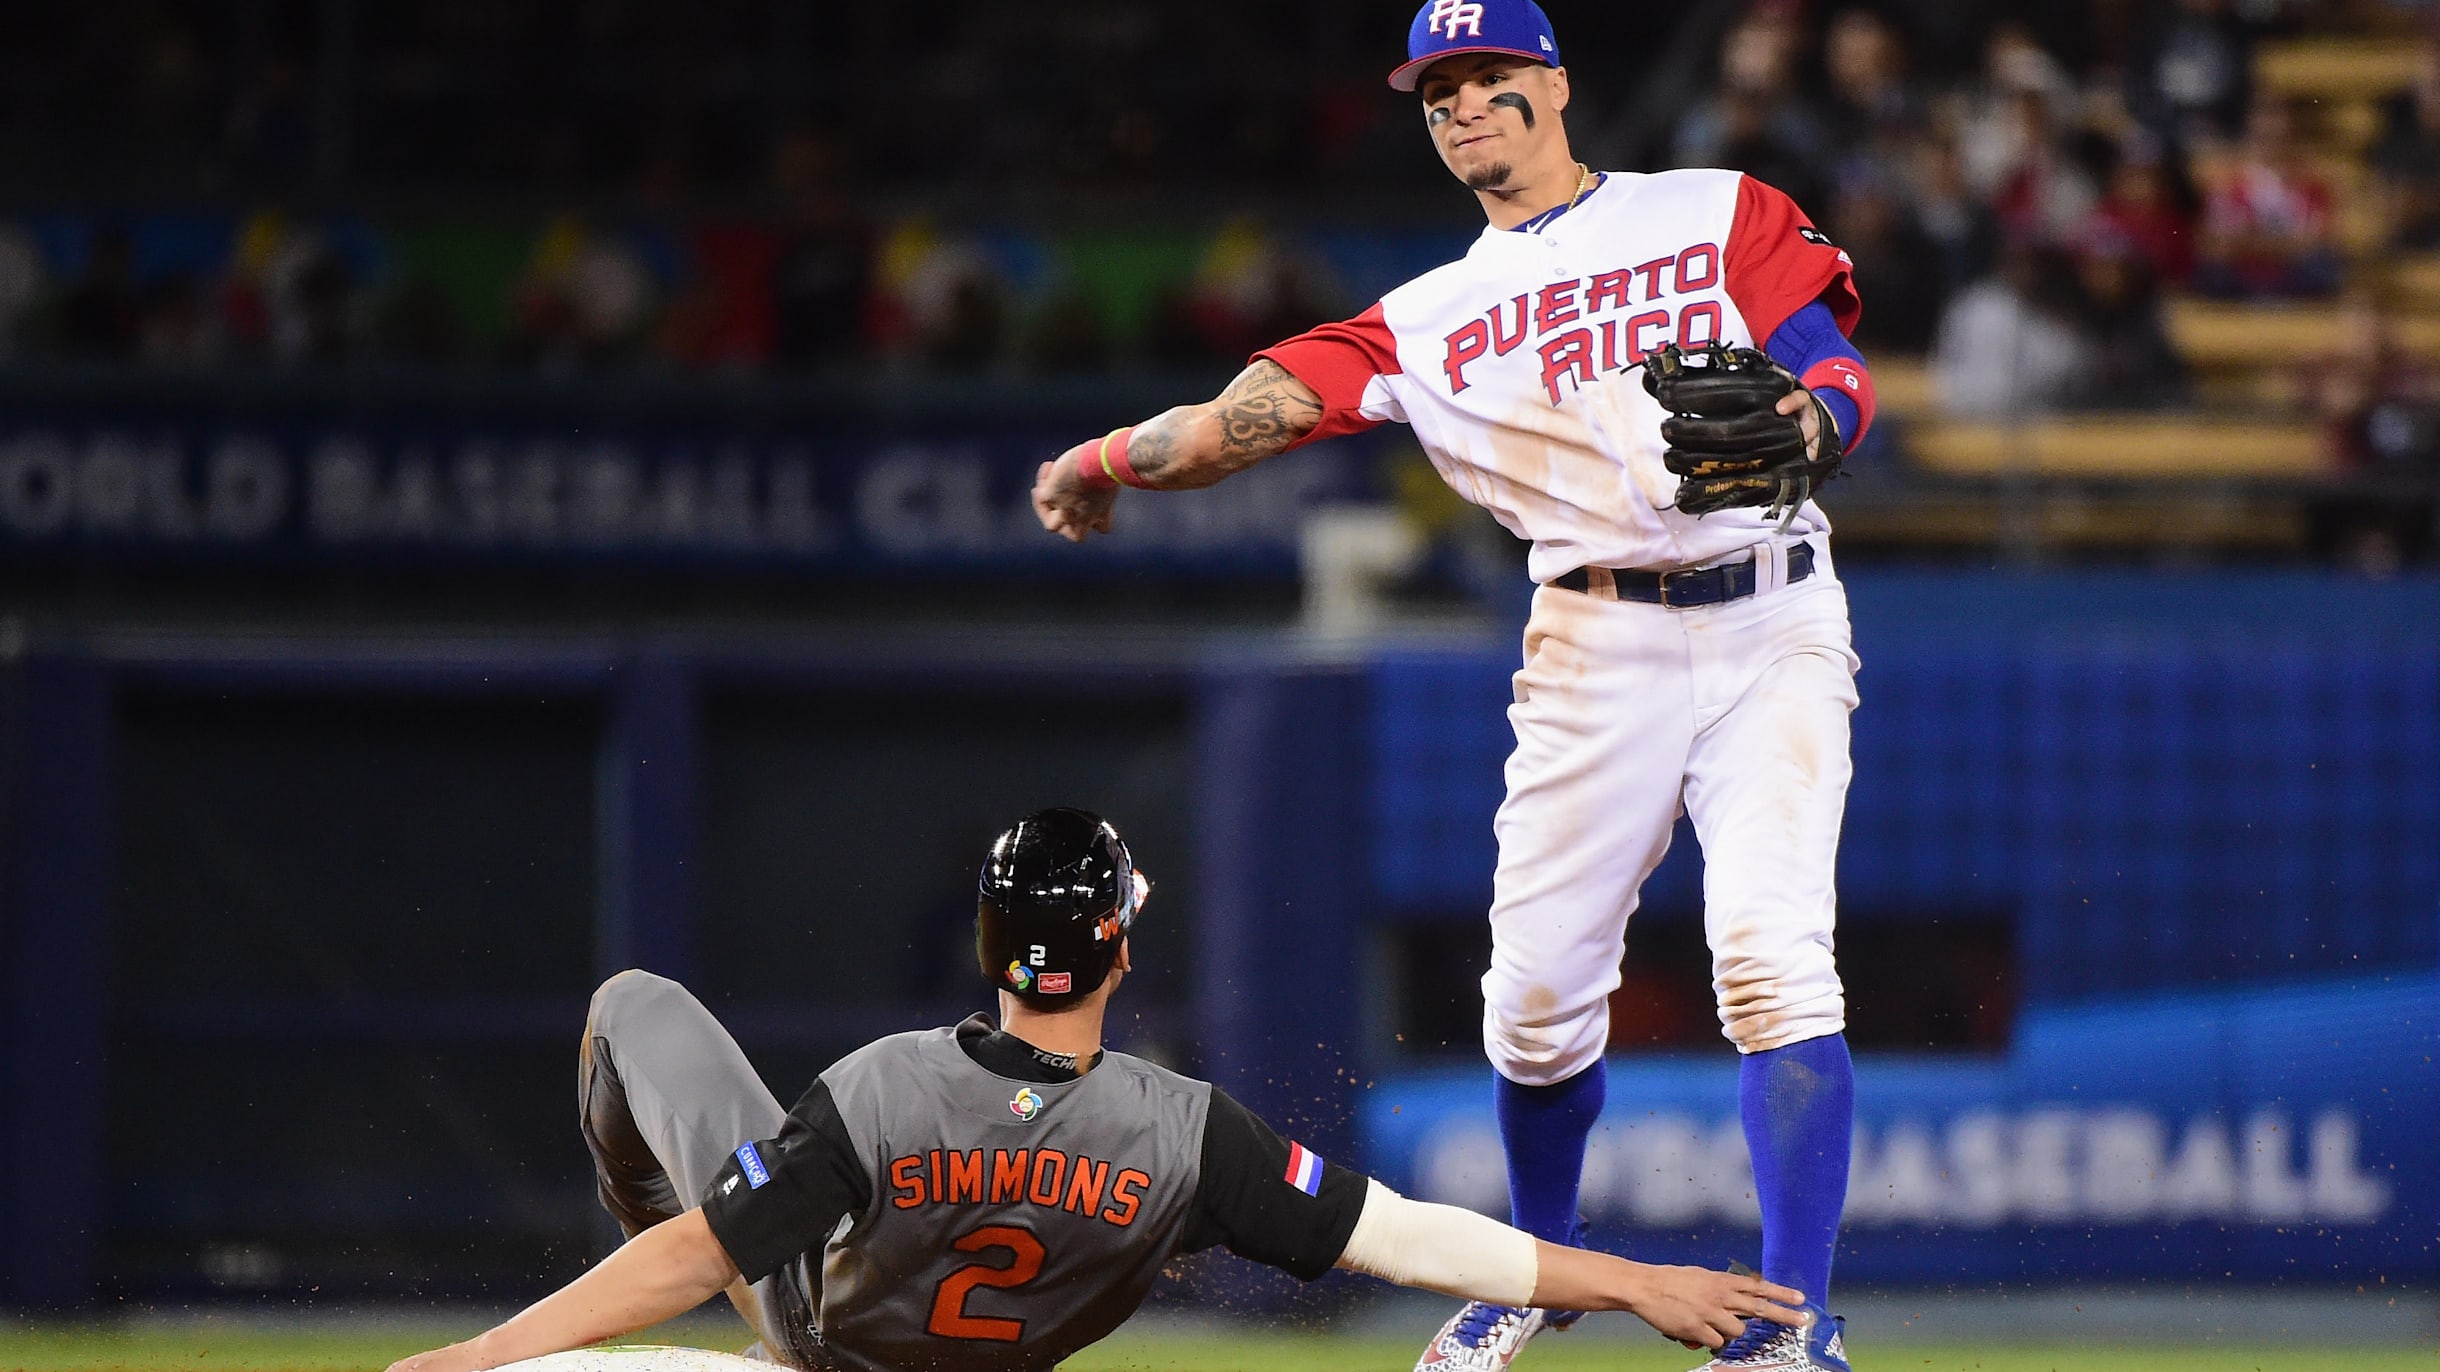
1304,1169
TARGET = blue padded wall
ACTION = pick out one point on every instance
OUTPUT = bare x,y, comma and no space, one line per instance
2217,811
1439,737
1936,820
2162,779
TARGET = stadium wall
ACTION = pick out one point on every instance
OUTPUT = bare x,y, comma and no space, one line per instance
2236,772
2279,1134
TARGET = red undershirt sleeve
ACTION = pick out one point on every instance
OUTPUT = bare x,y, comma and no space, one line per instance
1778,263
1339,361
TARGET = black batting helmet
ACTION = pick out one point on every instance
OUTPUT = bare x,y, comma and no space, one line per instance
1057,895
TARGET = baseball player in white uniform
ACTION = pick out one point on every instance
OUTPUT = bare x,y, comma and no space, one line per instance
1672,662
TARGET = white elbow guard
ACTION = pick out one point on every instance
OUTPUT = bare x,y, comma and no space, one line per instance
1441,1248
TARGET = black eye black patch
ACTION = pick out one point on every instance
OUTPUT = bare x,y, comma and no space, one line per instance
1440,115
1519,103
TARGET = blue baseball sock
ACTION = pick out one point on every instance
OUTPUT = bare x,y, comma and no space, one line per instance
1798,1103
1543,1129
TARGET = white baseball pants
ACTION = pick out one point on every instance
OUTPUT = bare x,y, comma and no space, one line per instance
1627,715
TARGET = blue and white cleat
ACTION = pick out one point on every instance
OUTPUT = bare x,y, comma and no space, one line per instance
1818,1345
1486,1338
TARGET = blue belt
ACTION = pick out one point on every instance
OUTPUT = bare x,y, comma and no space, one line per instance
1689,589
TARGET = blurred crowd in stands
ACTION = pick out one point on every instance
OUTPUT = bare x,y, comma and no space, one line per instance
817,285
2023,222
2020,196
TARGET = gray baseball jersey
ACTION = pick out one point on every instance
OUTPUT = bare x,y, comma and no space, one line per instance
973,1214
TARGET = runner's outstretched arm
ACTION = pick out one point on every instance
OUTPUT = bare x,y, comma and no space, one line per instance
661,1273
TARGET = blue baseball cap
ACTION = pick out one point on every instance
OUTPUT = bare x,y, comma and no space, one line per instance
1444,28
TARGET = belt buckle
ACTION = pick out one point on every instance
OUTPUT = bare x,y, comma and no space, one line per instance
1669,578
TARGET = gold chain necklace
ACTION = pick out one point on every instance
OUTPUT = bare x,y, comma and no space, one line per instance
1584,181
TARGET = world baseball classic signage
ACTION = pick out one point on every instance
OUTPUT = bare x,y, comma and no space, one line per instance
2009,1169
845,498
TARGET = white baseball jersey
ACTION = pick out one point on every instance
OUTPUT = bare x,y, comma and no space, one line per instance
1512,363
1514,367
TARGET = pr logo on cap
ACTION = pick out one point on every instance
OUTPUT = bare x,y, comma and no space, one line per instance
1445,28
1457,14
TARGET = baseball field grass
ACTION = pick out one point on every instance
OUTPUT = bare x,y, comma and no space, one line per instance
203,1348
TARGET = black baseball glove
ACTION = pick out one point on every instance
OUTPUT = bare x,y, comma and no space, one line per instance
1728,444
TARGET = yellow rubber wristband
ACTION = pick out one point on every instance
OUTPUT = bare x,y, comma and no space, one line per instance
1106,469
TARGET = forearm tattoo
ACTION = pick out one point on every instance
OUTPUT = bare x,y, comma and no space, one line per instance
1264,411
1152,450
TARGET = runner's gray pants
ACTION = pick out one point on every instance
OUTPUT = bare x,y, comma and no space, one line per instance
665,1097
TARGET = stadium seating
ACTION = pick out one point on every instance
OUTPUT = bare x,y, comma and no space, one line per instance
2131,447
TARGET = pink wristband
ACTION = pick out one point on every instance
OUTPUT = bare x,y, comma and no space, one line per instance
1088,466
1113,452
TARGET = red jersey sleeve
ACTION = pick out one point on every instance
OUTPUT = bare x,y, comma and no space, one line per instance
1339,361
1778,263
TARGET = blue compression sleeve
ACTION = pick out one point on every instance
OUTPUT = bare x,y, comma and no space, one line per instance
1810,337
1798,1104
1543,1129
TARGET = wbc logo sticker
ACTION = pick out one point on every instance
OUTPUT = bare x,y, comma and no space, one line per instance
1456,14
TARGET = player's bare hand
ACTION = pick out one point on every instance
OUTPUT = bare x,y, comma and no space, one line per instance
1799,402
457,1357
1701,1308
1068,507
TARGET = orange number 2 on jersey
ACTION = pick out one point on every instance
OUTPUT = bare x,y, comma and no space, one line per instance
949,1317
